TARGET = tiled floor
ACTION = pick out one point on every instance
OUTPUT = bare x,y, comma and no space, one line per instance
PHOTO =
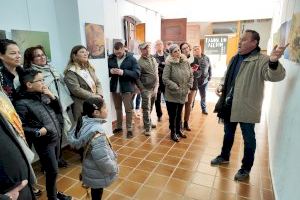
156,168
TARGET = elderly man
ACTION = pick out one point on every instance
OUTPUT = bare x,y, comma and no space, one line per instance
160,56
242,95
148,84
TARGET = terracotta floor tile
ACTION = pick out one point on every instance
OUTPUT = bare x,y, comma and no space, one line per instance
176,152
125,150
171,160
206,169
133,144
188,164
128,188
181,146
76,191
147,166
176,186
155,157
139,153
219,195
161,149
65,183
124,171
115,196
197,192
121,157
248,191
225,185
138,176
203,179
268,195
74,173
147,193
115,184
164,170
170,196
131,162
157,181
147,147
226,173
183,174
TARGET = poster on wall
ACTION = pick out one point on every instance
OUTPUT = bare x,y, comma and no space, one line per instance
2,34
95,41
215,45
26,39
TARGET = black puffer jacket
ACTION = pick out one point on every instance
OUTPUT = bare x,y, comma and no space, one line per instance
131,73
37,111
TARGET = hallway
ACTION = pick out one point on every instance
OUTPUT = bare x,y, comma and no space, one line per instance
156,168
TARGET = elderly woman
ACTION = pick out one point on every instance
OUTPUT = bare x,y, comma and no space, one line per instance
178,79
36,58
10,61
81,79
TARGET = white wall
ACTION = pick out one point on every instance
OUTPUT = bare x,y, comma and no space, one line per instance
283,118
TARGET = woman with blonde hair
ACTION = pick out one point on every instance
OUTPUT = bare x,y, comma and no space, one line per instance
178,79
81,79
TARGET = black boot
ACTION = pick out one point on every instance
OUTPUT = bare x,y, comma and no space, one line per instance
174,136
186,126
181,134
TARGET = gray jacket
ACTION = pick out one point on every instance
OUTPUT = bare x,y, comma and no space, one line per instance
178,79
99,167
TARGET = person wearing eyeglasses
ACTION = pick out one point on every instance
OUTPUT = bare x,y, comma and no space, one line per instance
39,111
178,79
10,67
36,58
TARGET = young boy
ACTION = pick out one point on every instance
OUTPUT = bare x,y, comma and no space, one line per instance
39,111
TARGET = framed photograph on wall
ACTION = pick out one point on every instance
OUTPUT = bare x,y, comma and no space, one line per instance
95,41
26,39
2,34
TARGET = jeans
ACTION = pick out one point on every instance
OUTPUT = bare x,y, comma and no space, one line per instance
96,193
48,159
249,142
174,112
202,90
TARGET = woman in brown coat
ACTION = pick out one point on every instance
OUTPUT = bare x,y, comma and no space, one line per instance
178,79
81,79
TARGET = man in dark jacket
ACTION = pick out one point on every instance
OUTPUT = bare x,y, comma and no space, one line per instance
124,71
39,110
16,177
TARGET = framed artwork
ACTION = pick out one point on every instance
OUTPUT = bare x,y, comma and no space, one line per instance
26,39
95,41
2,34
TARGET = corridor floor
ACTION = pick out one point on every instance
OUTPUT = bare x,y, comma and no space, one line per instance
156,168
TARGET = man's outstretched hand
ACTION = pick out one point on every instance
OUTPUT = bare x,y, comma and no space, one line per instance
277,52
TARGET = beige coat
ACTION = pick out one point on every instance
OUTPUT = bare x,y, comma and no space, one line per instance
249,87
178,79
80,89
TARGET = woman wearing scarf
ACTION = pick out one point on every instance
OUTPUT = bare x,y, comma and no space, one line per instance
35,58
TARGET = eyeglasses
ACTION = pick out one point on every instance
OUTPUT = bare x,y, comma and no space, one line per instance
40,80
176,51
40,56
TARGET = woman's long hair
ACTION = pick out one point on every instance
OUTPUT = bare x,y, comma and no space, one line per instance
29,55
72,62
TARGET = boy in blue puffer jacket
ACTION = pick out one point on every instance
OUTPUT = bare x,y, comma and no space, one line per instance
99,165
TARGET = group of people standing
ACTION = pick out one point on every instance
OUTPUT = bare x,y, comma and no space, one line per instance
174,72
38,106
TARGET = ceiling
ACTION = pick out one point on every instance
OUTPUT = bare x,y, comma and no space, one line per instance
211,10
